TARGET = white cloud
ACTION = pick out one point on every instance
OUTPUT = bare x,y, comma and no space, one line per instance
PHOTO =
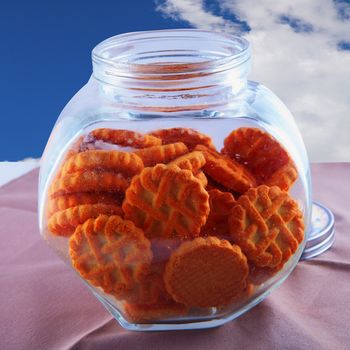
194,12
305,69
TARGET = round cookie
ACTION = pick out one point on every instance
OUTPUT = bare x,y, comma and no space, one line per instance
167,202
111,253
262,155
206,272
268,225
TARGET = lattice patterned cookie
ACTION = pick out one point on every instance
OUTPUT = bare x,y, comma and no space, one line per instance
111,253
265,157
268,225
167,202
206,272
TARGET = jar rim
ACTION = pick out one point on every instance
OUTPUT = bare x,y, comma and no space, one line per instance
170,53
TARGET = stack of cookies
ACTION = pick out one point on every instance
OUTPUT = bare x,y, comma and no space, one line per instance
167,224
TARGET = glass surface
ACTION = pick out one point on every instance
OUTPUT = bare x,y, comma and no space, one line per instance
149,231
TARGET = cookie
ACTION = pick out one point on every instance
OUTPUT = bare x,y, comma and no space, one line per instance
88,181
64,222
167,202
206,272
126,163
221,204
111,253
226,171
143,313
161,154
71,200
262,155
126,138
189,137
268,225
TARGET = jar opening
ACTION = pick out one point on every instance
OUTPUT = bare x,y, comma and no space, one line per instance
170,54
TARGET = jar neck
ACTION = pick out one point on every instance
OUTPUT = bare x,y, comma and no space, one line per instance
172,70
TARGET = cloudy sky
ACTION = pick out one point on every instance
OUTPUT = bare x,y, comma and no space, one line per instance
300,50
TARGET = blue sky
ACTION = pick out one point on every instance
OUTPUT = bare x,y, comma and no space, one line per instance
301,50
45,59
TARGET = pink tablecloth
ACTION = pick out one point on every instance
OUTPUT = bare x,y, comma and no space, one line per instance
43,305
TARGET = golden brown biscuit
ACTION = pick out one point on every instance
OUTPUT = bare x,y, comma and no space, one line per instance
189,137
268,225
125,138
262,155
71,200
226,171
206,272
221,204
111,253
64,222
167,202
126,163
88,181
161,154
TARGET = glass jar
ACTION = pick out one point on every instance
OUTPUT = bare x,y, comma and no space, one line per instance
177,189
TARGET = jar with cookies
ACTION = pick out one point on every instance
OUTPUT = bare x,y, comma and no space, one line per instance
177,189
